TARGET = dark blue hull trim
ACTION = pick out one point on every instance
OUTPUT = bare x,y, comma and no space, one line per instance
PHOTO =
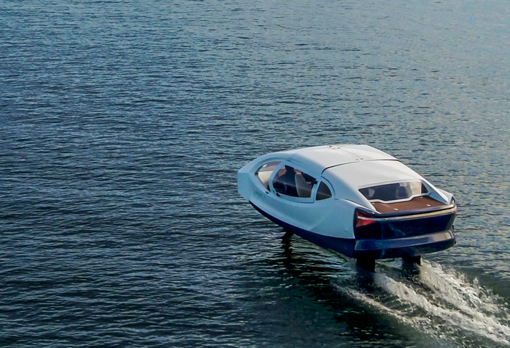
404,247
374,248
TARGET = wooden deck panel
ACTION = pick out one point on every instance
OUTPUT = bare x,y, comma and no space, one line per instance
416,203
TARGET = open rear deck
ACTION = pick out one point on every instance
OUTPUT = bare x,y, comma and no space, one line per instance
417,203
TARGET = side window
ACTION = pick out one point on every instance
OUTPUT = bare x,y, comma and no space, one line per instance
323,192
265,171
293,182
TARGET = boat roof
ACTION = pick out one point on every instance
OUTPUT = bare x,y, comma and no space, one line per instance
364,174
320,158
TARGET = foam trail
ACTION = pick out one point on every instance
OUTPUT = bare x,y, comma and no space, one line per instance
468,319
422,324
455,290
448,300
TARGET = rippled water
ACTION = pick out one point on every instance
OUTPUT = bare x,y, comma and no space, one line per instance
123,124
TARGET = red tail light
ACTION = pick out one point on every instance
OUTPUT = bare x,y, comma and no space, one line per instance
362,219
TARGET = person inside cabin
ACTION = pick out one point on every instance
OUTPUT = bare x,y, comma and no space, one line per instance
285,181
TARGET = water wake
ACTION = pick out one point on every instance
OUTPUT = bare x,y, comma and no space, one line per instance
442,304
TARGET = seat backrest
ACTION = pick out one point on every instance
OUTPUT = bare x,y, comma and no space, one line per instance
303,188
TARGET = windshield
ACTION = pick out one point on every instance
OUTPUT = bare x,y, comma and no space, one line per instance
265,171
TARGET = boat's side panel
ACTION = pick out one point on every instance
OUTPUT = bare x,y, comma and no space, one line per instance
342,245
330,217
244,186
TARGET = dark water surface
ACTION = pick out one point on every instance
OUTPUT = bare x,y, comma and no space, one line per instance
122,126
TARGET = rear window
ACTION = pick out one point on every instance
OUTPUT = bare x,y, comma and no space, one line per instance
395,191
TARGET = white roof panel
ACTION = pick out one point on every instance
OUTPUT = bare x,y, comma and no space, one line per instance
367,153
321,157
363,173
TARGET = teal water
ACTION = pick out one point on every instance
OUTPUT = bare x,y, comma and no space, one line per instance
122,127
